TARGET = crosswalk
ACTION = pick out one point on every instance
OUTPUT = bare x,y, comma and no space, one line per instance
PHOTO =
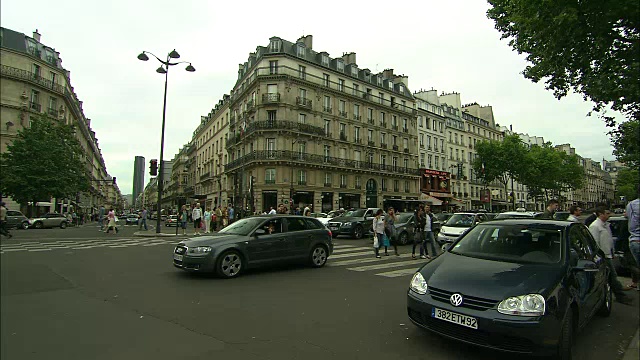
362,259
82,244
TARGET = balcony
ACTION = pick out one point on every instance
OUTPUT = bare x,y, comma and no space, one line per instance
251,106
276,125
406,151
327,109
394,127
358,141
371,143
343,137
384,146
327,184
270,181
270,98
371,121
383,124
343,186
205,176
302,182
406,190
52,112
356,117
395,147
342,113
286,156
303,102
35,106
396,189
406,130
384,188
358,187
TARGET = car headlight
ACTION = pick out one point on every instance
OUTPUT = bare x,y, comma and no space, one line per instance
418,284
525,305
200,250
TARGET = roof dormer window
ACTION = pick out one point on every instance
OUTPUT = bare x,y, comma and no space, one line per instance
354,71
340,65
390,84
379,80
275,45
325,60
401,88
301,50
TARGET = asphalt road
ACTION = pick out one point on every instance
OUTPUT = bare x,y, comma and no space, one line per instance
118,297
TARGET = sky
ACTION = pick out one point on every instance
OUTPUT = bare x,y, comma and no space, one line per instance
445,45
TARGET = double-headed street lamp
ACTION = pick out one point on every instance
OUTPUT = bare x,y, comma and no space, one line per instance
164,69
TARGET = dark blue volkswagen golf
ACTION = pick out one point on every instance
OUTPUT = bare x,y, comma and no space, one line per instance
521,286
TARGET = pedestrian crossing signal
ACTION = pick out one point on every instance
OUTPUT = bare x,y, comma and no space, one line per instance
153,167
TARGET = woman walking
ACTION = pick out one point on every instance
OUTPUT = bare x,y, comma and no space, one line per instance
390,230
112,225
207,221
378,232
183,219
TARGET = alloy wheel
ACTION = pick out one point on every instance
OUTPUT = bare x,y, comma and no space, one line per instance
231,264
319,256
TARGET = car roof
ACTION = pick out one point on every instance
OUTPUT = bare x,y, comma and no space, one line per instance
531,221
467,213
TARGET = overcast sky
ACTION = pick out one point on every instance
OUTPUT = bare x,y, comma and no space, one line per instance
445,45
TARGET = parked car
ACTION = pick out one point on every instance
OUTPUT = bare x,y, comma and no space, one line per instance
49,220
132,219
457,224
256,241
622,258
561,215
16,219
443,217
355,223
521,285
172,220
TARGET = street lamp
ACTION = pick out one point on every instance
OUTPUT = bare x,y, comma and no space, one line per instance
163,69
291,179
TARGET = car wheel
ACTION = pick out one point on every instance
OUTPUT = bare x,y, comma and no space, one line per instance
25,225
357,232
63,225
38,225
229,264
403,239
605,310
318,256
566,337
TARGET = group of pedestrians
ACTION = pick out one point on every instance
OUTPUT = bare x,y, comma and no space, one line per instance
207,220
385,232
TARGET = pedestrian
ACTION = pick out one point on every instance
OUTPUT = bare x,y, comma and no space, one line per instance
390,230
231,213
143,219
225,217
574,212
4,229
218,218
418,236
601,232
183,217
207,221
378,232
307,212
196,215
591,218
552,206
632,212
111,222
429,237
101,217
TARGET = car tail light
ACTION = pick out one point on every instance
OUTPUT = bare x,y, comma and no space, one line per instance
330,234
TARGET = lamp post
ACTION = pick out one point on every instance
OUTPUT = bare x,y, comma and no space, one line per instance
291,179
163,69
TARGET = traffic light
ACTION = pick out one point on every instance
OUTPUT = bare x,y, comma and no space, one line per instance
153,171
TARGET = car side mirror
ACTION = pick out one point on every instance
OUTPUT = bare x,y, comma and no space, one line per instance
586,266
259,232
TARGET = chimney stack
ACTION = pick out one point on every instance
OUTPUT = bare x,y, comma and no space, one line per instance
387,74
349,58
36,35
307,41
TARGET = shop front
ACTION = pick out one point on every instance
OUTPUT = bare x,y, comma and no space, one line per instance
302,199
348,201
269,200
327,202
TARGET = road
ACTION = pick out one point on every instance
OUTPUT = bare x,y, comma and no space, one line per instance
119,297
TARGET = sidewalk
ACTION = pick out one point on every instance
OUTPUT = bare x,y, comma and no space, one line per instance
633,351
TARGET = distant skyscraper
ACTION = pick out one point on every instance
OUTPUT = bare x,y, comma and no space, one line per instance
138,177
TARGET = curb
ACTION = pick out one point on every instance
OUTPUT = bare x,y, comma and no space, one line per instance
633,351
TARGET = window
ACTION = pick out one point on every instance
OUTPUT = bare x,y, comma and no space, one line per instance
370,135
275,45
302,177
271,147
271,115
302,93
301,50
340,85
421,140
327,178
270,176
358,182
379,82
381,98
394,140
36,70
441,145
355,89
343,180
407,187
356,132
340,65
382,118
396,185
53,104
327,103
394,162
420,122
325,79
429,161
302,118
383,139
273,67
422,160
369,114
354,71
343,130
327,127
405,125
342,106
327,153
428,142
394,121
302,72
405,143
383,160
325,60
356,111
436,162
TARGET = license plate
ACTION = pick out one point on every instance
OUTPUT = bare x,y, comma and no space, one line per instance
455,318
177,257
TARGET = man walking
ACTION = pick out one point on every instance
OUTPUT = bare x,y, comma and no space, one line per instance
143,219
604,238
231,214
574,212
552,206
633,214
101,218
196,215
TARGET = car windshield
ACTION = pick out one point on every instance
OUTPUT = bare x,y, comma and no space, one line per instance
403,218
538,243
443,217
513,216
460,220
242,227
355,213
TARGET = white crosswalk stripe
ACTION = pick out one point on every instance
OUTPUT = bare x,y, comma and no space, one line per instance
362,259
83,244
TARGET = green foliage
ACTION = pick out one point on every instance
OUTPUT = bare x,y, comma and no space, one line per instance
589,46
626,143
44,161
627,183
502,160
550,171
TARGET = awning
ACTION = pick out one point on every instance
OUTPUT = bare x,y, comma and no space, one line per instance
430,199
455,201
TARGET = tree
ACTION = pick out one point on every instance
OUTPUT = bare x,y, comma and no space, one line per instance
500,160
626,143
44,161
589,46
627,183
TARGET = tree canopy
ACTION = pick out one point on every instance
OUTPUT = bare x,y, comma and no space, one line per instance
44,161
500,160
627,183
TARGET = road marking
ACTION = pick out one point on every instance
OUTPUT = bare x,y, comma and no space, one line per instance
335,246
86,247
386,266
9,250
398,273
154,244
34,250
340,256
350,249
117,246
362,261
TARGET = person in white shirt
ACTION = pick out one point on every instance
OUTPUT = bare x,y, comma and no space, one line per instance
378,231
272,211
574,211
604,238
196,215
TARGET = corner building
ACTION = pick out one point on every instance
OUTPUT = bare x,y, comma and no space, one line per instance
308,129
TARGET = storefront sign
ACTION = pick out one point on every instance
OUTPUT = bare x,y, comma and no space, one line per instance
439,194
429,172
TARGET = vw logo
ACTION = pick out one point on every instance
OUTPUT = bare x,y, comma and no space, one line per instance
456,299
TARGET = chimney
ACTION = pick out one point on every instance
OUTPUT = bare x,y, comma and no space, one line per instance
307,41
387,73
349,58
403,79
36,35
